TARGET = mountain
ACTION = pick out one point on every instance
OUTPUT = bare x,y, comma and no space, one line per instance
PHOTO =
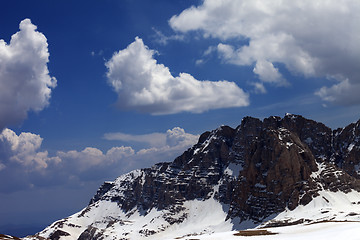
277,172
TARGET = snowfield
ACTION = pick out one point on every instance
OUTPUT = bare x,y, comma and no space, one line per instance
317,231
331,215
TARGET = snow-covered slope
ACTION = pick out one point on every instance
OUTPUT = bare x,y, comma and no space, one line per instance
325,230
113,223
327,216
328,206
330,216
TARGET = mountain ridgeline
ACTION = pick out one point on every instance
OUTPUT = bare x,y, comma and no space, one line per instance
253,172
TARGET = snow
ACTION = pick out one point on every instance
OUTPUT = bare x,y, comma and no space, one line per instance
321,167
334,206
102,211
332,216
290,115
204,217
201,217
128,176
325,230
328,231
283,134
328,216
208,141
351,146
196,151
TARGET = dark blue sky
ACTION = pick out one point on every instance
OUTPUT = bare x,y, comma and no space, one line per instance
103,87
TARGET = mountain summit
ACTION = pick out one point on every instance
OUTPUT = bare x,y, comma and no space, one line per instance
260,173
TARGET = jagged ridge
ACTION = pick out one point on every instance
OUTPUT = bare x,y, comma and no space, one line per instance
259,169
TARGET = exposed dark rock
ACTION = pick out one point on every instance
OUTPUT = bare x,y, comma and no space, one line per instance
106,186
57,234
277,168
7,237
346,149
90,234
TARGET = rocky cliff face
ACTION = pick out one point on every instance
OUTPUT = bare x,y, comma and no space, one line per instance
254,171
346,154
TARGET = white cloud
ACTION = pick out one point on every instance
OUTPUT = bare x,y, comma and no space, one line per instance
168,146
176,142
25,83
23,149
344,93
175,136
310,38
115,153
268,73
163,39
153,139
178,137
258,87
92,162
144,85
24,164
163,146
92,157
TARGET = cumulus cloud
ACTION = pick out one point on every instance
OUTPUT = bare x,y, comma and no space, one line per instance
92,157
178,136
176,141
344,93
162,146
268,73
167,146
147,86
23,150
25,83
310,38
23,164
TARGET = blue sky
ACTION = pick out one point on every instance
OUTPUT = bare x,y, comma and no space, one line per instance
93,89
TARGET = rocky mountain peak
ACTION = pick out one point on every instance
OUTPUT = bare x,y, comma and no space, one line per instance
274,159
254,171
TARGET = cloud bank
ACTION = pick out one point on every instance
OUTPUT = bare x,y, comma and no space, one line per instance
23,150
310,38
25,83
163,147
172,137
152,139
23,163
147,86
